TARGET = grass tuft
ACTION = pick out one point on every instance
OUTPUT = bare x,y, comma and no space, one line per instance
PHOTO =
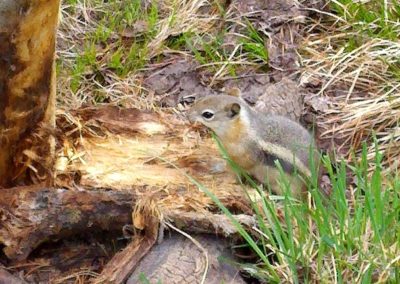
334,240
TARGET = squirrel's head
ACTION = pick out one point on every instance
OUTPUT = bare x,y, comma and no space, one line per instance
218,112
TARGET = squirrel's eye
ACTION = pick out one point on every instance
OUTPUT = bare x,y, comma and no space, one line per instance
207,114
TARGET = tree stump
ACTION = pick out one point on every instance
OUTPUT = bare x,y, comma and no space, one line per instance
27,89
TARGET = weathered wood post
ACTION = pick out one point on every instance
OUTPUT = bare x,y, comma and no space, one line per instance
27,89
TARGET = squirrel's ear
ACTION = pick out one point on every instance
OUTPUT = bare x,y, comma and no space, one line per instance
233,110
235,92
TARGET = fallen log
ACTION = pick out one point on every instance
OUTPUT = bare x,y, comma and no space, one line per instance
33,215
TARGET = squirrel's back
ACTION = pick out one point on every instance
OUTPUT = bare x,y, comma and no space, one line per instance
284,132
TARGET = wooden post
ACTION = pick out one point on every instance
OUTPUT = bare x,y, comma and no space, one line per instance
27,89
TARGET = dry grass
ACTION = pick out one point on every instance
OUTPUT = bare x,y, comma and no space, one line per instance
79,62
107,48
357,65
182,17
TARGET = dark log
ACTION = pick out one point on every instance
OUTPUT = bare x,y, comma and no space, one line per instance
33,215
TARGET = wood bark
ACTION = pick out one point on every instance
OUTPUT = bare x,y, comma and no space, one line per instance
120,267
33,215
27,89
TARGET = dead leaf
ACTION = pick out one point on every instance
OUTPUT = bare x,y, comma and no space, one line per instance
284,98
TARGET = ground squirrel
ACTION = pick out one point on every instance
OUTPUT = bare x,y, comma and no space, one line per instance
254,141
